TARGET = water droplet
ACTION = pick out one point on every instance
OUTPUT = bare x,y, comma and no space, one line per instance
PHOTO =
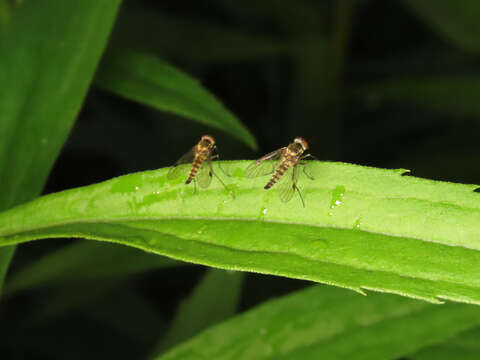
263,331
220,206
337,197
263,211
201,230
44,141
231,190
126,184
357,224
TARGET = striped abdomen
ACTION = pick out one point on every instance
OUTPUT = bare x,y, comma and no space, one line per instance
200,157
282,168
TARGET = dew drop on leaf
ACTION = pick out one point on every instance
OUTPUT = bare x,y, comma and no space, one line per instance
337,197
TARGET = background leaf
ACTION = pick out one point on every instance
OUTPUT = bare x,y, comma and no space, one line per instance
5,14
153,82
328,323
195,35
463,346
455,95
49,50
457,21
362,228
213,300
83,261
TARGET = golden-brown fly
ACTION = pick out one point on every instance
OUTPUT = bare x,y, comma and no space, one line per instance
283,164
200,157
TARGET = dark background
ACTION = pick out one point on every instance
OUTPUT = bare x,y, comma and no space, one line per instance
285,69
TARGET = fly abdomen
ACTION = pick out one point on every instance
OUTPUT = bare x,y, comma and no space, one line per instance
280,171
195,166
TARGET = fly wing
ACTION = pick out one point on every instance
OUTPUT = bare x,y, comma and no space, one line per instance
309,169
204,175
288,184
179,167
265,165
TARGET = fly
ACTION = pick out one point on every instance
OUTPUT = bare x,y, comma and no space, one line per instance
200,157
283,164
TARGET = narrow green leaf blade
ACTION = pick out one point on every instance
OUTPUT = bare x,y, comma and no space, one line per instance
50,50
6,255
362,228
214,299
328,323
49,53
463,346
455,95
84,261
5,14
153,82
457,21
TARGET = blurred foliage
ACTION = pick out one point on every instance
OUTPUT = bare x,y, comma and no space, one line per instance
387,84
152,82
43,87
325,323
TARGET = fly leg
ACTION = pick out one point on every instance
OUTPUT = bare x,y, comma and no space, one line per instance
308,156
194,185
216,157
294,184
211,172
299,193
305,163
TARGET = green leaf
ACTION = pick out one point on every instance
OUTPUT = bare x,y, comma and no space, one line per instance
455,95
463,346
293,16
328,323
5,14
6,255
457,21
129,313
362,228
83,261
213,300
153,82
72,297
50,50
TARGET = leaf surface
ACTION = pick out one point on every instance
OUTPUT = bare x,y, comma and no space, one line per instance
362,228
463,346
329,323
457,21
213,300
50,50
84,261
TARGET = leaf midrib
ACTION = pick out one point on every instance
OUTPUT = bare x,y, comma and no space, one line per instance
276,252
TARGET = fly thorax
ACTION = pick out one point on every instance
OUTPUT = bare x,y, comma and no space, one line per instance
295,149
